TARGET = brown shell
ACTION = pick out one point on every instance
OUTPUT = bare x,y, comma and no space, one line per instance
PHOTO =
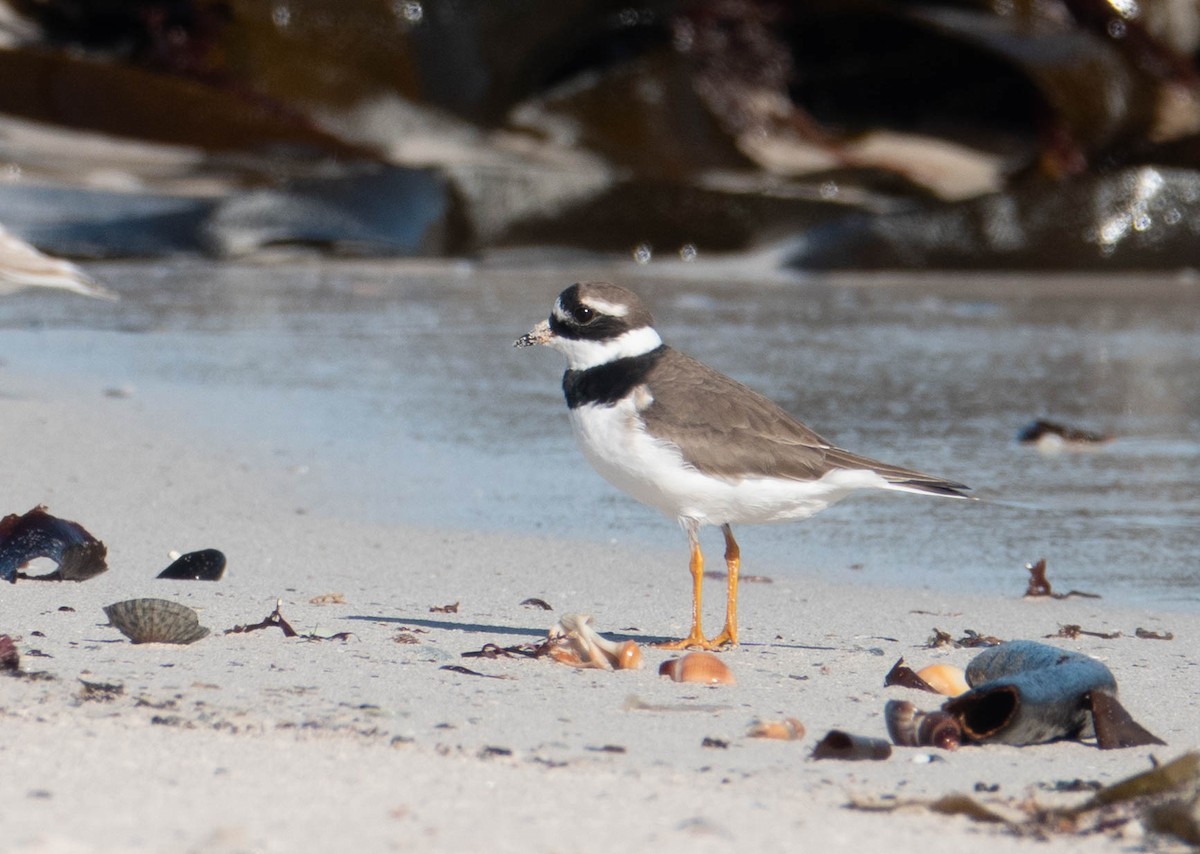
909,727
702,667
945,679
155,621
629,656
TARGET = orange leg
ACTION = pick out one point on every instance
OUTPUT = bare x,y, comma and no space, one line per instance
733,562
695,637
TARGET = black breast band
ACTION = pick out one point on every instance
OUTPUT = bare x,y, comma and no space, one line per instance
606,384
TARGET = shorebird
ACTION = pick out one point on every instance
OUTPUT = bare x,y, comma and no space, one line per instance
23,266
701,447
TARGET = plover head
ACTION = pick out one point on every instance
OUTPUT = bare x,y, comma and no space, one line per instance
594,323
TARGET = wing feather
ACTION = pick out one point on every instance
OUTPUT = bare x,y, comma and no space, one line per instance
726,429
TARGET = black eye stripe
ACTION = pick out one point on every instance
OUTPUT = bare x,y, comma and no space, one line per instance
601,328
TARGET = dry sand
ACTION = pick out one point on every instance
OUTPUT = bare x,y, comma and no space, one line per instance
254,742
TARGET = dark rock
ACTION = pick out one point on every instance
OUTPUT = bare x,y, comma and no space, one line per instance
1138,218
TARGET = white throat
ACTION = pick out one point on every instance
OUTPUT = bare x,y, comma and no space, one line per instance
582,354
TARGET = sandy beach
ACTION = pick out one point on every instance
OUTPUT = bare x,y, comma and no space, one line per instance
257,742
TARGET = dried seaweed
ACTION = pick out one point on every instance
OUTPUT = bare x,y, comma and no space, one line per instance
1071,632
969,640
1151,797
534,602
1039,585
939,638
972,639
444,609
35,534
521,650
276,620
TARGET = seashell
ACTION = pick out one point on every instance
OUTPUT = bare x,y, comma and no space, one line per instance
629,656
945,679
204,565
155,621
702,667
573,641
788,729
36,534
844,745
909,727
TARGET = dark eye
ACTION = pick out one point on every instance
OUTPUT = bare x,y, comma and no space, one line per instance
583,314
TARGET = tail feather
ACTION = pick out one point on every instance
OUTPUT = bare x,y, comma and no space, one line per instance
905,480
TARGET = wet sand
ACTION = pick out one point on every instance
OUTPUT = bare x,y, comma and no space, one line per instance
258,742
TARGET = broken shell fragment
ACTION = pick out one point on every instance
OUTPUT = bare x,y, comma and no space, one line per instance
903,675
36,534
844,745
909,727
155,621
788,729
702,667
945,679
573,641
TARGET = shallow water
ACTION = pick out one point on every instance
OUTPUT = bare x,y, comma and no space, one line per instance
394,389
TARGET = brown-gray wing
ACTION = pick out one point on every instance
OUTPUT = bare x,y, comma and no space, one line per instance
726,429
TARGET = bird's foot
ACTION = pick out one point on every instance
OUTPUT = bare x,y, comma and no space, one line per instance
697,641
727,637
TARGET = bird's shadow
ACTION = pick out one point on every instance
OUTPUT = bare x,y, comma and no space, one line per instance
492,629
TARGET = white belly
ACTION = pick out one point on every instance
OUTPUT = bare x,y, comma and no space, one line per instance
653,472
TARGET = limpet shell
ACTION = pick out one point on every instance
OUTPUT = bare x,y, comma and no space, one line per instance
155,621
702,667
945,679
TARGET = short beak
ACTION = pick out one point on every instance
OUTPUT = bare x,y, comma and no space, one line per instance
540,334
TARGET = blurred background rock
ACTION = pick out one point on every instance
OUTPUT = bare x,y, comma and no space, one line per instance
835,134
